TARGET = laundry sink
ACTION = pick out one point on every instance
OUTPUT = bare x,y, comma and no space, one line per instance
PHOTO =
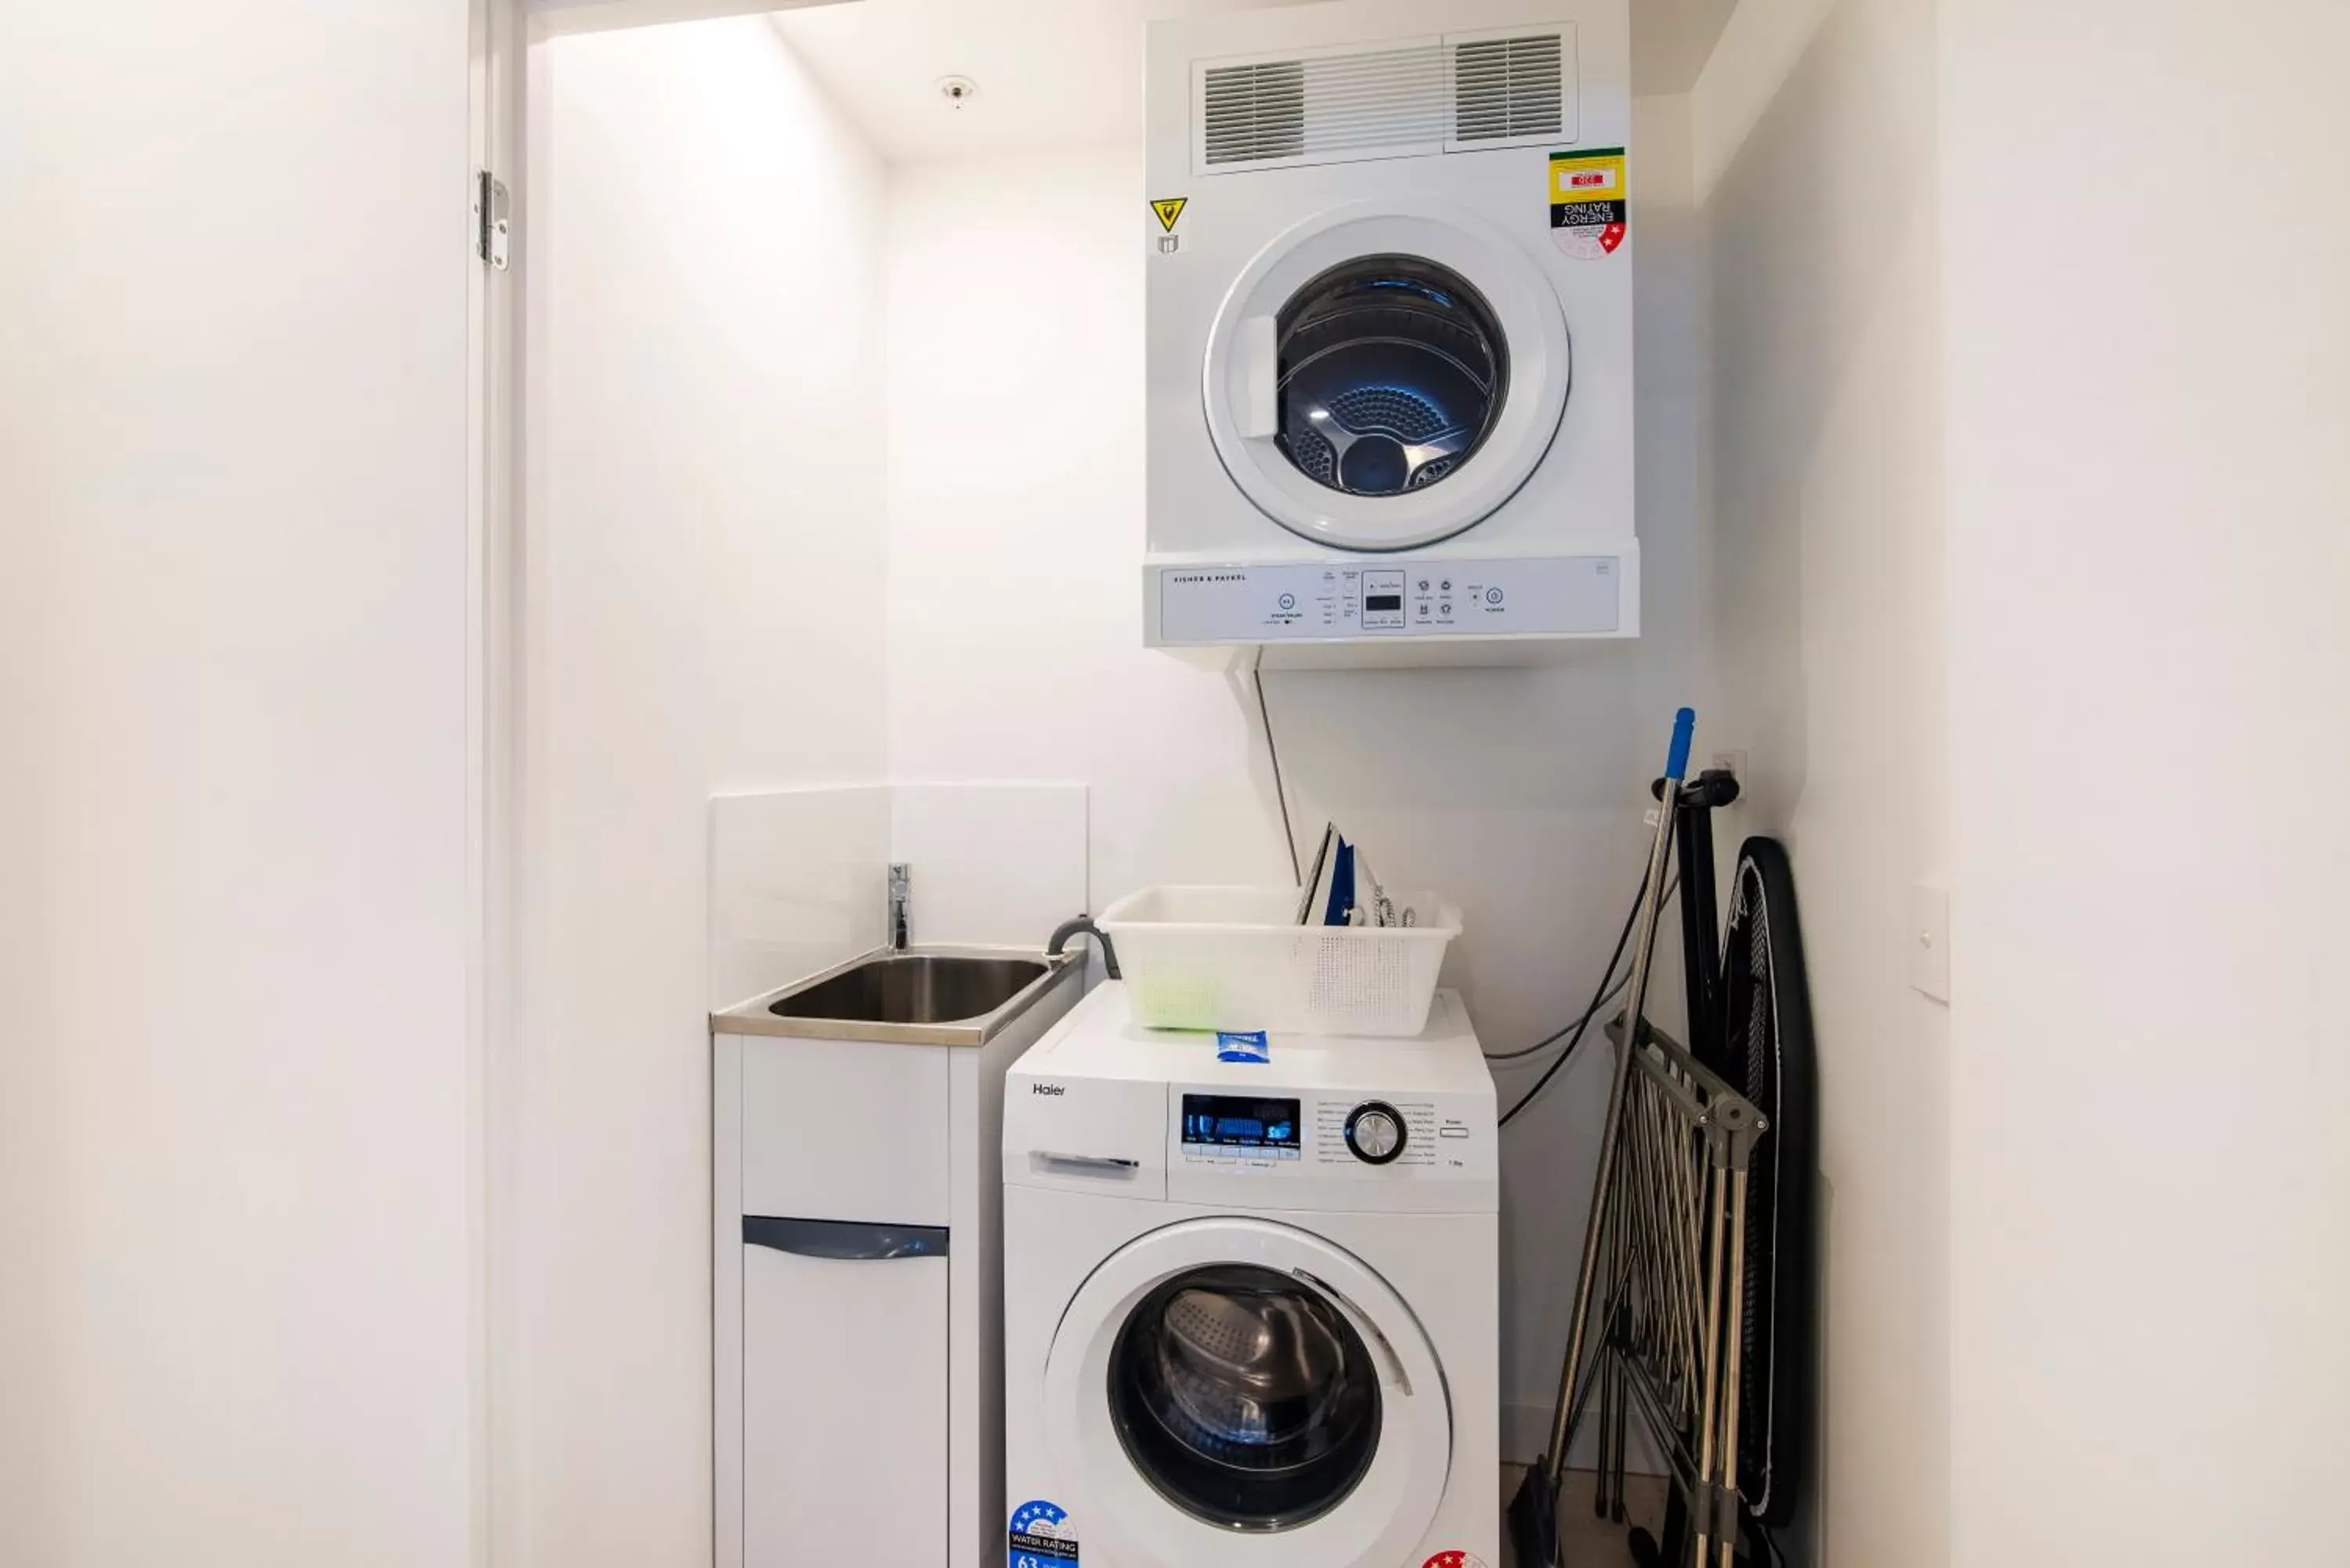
925,995
913,988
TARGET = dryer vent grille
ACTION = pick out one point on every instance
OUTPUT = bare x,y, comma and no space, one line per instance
1326,107
1503,88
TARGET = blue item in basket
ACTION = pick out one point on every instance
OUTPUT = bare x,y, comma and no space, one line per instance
1342,887
1237,1046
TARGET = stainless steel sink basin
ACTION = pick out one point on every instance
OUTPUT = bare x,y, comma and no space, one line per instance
914,988
925,995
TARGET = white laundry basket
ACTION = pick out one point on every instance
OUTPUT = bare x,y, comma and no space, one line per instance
1234,958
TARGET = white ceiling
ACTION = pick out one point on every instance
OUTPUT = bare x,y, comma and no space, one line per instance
1064,72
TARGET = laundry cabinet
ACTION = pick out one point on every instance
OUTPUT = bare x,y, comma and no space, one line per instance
857,1281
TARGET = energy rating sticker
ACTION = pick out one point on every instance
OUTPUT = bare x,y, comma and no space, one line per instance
1590,202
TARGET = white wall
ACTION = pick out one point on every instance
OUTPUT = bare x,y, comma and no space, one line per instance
2149,562
799,878
704,550
236,1204
1014,521
1829,517
1014,304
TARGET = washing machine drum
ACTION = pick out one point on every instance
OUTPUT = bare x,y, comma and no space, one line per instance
1392,370
1245,1397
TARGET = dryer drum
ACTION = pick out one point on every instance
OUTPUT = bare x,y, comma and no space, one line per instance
1393,369
1244,1399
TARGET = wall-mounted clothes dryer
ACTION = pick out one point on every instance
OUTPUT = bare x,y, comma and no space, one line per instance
1390,333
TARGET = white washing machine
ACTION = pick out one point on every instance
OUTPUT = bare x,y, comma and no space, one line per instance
1251,1309
1390,332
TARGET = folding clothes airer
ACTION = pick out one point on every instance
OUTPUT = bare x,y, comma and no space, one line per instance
1753,990
1658,1292
1534,1512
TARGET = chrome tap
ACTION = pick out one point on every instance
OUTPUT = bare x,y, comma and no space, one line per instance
901,877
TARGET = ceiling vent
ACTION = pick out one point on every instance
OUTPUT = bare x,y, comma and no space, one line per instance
1506,90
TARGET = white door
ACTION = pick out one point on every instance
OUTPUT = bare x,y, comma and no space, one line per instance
1378,379
844,1395
237,883
1233,1393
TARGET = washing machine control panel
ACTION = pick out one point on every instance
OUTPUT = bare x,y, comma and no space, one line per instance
1312,602
1376,1133
1247,1129
1402,1132
1321,1143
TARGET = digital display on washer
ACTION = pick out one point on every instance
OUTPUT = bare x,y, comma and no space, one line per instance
1383,601
1241,1122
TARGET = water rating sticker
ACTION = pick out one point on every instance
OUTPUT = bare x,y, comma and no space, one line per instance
1042,1537
1590,202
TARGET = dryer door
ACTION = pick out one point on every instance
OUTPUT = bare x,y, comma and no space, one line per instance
1233,1393
1378,379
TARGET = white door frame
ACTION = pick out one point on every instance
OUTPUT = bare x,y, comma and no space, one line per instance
502,35
493,616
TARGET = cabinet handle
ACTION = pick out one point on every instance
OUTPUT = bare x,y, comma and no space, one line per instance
844,1240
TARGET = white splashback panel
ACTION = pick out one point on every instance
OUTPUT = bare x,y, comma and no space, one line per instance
799,878
997,863
798,882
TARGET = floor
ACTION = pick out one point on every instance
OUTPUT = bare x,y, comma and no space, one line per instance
1585,1541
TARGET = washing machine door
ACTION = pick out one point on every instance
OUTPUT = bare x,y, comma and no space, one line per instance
1378,379
1233,1393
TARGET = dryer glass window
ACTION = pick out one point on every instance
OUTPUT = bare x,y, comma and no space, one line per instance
1246,1398
1392,371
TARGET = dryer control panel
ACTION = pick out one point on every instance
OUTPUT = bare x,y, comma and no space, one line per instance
1311,602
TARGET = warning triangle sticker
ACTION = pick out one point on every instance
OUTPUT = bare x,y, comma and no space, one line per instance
1169,211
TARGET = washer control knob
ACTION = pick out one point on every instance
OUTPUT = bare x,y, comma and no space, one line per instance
1375,1132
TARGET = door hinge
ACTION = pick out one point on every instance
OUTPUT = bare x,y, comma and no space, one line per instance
491,226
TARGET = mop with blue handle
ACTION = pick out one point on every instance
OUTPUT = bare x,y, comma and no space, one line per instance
1534,1512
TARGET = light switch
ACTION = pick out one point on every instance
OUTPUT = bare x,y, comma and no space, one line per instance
1930,941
